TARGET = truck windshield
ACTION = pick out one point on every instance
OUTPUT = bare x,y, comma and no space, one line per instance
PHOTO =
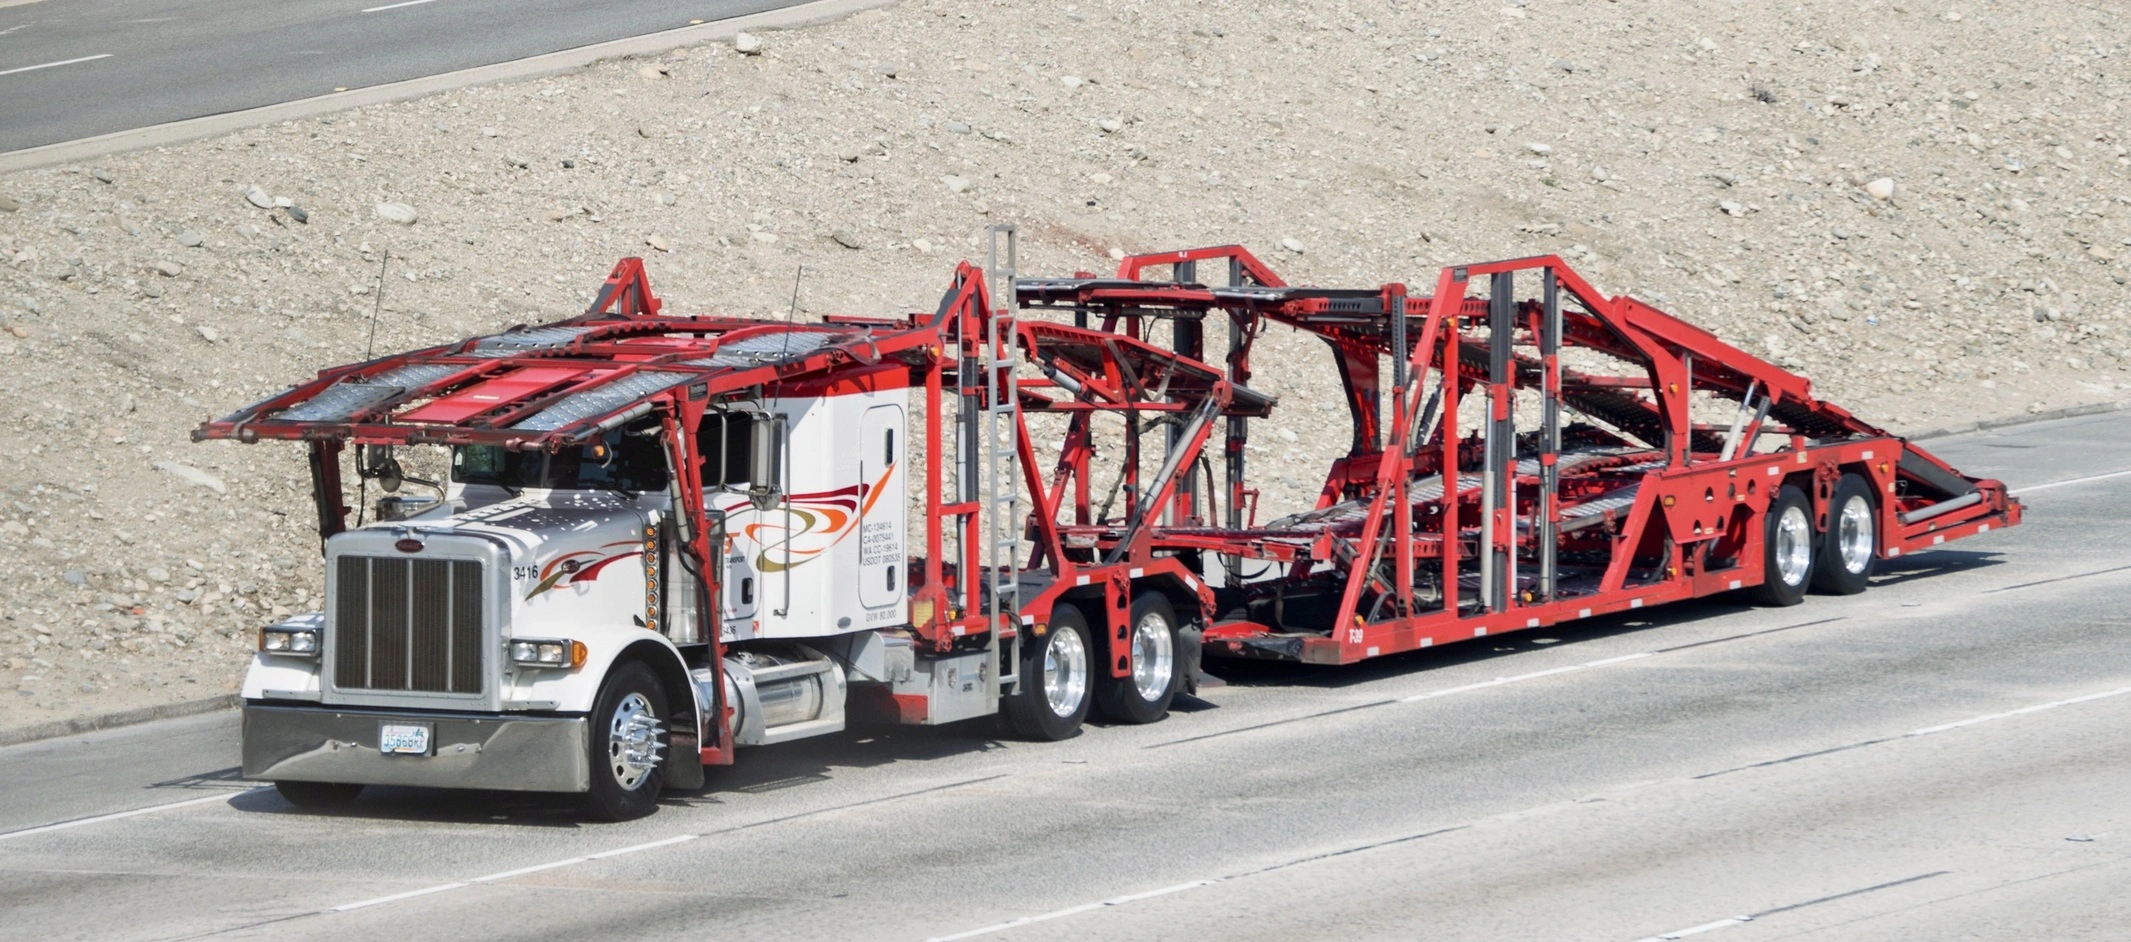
626,461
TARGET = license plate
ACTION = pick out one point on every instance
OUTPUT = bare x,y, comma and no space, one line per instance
403,739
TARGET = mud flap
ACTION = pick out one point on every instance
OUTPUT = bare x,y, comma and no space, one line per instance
684,757
1193,642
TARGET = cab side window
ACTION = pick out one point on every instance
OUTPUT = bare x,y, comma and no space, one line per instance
722,440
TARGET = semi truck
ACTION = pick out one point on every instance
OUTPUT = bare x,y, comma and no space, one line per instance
651,538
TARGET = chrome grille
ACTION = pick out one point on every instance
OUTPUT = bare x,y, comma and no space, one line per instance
408,624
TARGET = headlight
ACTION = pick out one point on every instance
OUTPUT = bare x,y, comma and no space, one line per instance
548,652
288,640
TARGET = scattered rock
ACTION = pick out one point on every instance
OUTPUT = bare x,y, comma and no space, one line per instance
8,205
1291,245
396,212
1537,147
1110,125
102,175
297,213
847,239
170,269
208,334
191,239
955,127
193,476
747,44
657,242
955,184
75,577
651,72
1881,189
258,197
1072,81
1732,208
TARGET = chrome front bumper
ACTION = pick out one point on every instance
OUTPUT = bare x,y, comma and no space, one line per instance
470,750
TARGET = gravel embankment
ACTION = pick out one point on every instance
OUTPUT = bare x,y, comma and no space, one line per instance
1921,207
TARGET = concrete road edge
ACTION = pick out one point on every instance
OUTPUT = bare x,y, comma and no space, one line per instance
134,717
808,14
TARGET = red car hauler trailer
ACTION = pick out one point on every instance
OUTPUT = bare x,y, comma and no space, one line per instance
662,537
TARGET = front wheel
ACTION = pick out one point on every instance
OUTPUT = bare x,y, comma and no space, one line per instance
1143,695
1052,699
627,745
1787,550
1846,550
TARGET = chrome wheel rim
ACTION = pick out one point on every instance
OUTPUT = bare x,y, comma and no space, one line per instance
1065,672
1794,546
633,742
1854,534
1153,656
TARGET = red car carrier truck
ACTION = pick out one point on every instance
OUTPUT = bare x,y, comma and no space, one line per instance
661,537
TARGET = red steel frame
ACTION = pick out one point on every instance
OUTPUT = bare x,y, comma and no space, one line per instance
1697,514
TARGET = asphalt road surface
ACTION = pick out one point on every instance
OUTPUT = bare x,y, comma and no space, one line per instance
1943,756
77,68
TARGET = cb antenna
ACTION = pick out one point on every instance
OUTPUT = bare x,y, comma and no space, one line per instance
369,349
793,314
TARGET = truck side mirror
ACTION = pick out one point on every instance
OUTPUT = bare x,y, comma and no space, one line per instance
766,440
378,463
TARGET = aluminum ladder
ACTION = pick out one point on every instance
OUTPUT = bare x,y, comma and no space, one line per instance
1001,455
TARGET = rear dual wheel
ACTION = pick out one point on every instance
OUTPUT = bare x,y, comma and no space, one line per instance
1056,673
1787,550
1144,694
1851,541
1836,560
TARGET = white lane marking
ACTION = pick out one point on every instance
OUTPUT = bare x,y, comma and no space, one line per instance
2031,488
54,65
1535,675
521,871
1675,934
2037,708
1697,930
151,809
395,6
1073,911
396,897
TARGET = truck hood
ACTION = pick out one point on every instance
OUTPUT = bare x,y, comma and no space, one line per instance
564,537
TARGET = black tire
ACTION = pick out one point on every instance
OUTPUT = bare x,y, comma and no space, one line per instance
1061,661
317,794
1156,664
621,790
1782,539
1849,546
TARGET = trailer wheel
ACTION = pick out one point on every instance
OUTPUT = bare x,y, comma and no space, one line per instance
1847,548
627,743
1052,698
317,794
1143,696
1787,560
